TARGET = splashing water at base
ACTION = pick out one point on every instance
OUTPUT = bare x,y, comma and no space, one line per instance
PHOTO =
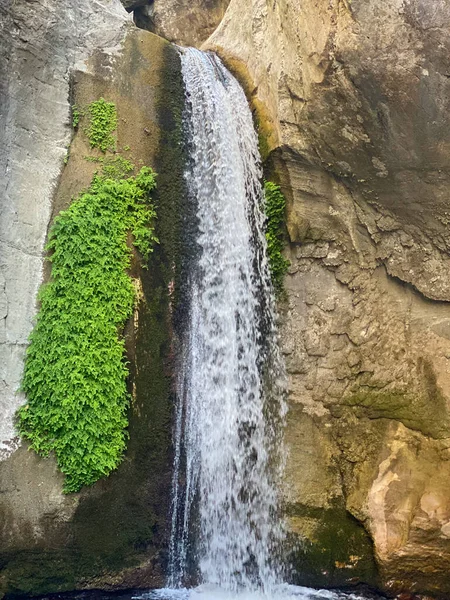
281,592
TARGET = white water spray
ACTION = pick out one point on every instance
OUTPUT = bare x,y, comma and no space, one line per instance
230,390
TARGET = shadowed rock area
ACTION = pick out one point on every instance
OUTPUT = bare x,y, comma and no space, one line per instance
180,21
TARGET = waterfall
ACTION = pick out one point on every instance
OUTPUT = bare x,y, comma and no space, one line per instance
230,387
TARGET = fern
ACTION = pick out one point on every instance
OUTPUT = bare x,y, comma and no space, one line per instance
75,373
275,205
102,122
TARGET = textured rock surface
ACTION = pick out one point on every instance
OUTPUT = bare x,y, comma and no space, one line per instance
40,43
109,535
181,21
131,5
357,96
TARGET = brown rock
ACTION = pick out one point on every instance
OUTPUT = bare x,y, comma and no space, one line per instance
357,95
181,21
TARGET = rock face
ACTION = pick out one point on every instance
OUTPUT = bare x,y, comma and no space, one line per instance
39,44
109,535
358,96
356,101
352,101
180,21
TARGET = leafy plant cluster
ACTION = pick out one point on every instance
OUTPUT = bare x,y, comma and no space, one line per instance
102,117
275,205
75,374
116,167
76,115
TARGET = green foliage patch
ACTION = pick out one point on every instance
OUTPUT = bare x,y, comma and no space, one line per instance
275,205
76,116
102,117
75,374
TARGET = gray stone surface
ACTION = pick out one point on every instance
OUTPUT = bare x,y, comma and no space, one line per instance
181,21
40,43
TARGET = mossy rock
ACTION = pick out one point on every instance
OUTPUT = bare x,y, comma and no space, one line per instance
331,548
113,535
415,411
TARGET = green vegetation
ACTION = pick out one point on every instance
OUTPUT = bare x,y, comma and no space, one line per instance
102,122
76,116
117,167
275,204
75,374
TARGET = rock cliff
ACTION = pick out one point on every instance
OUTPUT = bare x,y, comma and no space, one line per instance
352,100
51,57
39,45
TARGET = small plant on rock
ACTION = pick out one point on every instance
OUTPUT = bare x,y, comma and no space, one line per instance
102,123
275,206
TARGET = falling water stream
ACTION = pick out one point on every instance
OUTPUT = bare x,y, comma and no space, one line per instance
226,526
226,532
230,362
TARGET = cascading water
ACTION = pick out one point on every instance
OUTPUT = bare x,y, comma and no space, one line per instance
231,388
230,400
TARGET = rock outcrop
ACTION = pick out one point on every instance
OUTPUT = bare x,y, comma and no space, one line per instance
39,44
355,98
111,534
179,21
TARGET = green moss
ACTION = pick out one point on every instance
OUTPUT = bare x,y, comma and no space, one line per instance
336,551
102,118
173,223
94,159
424,410
36,572
263,139
75,376
275,205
